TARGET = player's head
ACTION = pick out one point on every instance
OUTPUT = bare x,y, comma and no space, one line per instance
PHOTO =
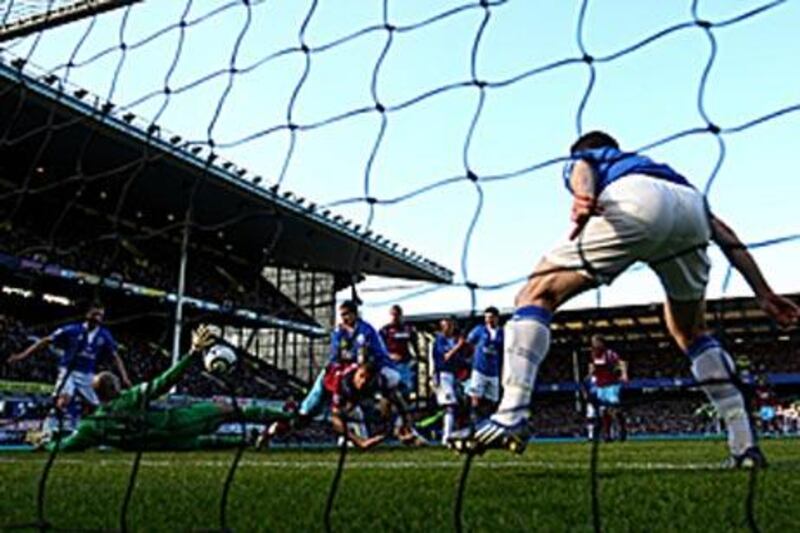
592,140
491,316
396,312
598,342
448,325
363,376
106,386
348,312
95,314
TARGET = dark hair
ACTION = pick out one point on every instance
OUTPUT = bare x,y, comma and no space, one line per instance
350,305
594,139
492,310
397,308
94,304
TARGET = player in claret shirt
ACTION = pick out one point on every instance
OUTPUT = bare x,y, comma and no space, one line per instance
609,372
400,339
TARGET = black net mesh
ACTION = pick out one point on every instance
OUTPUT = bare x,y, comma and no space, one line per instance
385,114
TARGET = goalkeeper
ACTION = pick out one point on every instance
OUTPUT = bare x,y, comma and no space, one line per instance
126,420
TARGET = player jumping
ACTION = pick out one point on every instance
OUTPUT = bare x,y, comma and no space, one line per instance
627,208
126,420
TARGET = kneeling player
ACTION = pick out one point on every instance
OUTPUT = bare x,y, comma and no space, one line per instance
125,419
349,386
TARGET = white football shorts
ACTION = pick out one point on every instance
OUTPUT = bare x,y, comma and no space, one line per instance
446,389
644,219
80,382
484,386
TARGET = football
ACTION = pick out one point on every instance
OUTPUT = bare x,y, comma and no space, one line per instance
219,359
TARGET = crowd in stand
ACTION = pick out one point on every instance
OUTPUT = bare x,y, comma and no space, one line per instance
123,260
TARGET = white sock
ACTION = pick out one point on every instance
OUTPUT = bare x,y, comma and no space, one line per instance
710,362
449,424
527,339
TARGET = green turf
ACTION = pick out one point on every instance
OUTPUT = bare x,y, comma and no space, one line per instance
644,486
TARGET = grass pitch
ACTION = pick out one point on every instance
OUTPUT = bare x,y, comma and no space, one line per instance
652,486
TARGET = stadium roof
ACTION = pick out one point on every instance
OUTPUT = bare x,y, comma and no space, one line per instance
42,119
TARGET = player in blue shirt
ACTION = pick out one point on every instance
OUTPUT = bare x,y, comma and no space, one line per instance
484,383
627,208
83,345
353,340
447,353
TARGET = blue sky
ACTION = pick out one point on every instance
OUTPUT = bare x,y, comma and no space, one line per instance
640,97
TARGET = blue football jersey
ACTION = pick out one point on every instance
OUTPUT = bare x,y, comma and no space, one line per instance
82,348
611,165
488,350
348,346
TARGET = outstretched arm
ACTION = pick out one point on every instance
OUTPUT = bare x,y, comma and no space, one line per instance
340,426
80,439
201,339
781,309
44,342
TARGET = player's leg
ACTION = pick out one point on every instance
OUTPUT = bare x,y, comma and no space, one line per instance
446,398
527,335
475,391
591,419
712,363
314,400
607,245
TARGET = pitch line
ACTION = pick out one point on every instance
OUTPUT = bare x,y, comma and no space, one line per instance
384,465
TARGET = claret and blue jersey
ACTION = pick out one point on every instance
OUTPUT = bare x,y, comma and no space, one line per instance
362,339
83,348
611,164
488,349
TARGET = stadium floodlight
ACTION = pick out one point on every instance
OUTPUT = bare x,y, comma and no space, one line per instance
23,17
175,139
256,180
128,117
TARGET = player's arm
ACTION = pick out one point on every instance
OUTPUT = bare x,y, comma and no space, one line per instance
201,339
80,439
454,350
582,181
781,309
42,343
622,364
339,426
123,374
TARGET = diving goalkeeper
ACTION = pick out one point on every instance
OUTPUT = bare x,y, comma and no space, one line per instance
126,419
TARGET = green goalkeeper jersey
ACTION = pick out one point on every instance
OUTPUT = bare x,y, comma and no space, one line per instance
129,422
